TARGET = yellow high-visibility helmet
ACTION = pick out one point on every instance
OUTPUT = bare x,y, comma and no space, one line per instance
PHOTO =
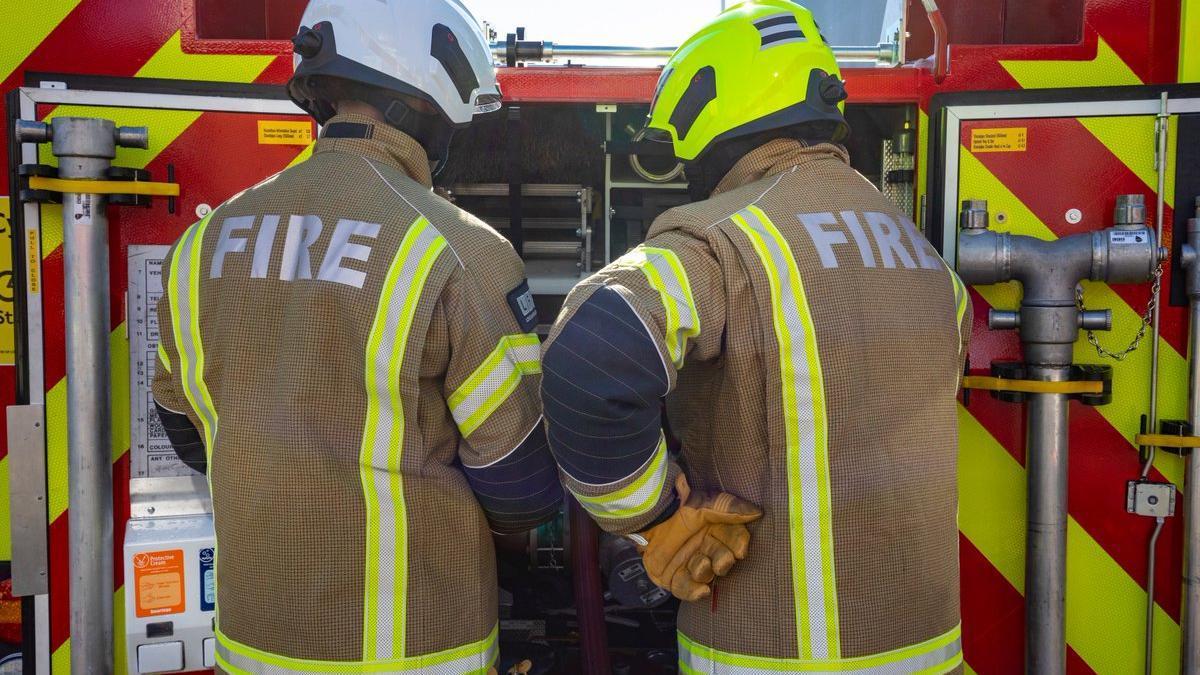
759,65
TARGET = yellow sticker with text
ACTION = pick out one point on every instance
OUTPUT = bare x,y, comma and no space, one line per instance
275,132
1010,139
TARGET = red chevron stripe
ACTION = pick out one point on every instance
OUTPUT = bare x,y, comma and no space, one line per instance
1092,177
993,615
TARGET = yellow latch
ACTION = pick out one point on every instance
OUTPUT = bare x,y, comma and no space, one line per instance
104,187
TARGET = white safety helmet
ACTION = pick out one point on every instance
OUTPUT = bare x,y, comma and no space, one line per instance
431,50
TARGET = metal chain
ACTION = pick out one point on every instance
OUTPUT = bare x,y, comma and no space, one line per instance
1147,317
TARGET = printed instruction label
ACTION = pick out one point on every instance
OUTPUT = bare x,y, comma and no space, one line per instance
273,132
208,580
33,260
151,454
1010,139
1127,237
158,581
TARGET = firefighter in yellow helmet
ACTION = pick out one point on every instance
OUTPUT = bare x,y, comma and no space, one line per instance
808,342
352,360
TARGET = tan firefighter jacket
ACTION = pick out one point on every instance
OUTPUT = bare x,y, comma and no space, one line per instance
357,358
808,342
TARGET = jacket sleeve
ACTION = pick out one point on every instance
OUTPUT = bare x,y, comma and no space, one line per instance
964,315
611,358
491,387
170,401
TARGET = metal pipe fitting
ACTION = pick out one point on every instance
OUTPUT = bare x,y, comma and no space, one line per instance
1095,319
1049,321
1130,211
1000,319
85,148
1049,272
884,53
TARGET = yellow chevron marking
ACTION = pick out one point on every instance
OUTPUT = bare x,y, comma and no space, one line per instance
165,125
56,422
1131,377
27,24
60,660
991,499
5,532
1106,68
1189,42
967,669
1131,139
1104,604
170,61
303,156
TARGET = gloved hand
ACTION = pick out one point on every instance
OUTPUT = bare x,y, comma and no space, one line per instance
699,542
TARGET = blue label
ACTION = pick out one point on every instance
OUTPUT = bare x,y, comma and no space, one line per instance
208,581
520,301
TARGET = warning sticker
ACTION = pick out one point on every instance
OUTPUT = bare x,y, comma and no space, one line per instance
1010,139
272,132
33,259
158,580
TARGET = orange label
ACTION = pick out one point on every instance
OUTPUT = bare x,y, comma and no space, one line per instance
272,132
1011,139
158,578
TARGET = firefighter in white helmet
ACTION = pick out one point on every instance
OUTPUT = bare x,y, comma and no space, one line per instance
807,340
352,361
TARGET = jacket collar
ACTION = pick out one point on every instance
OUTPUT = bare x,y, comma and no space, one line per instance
775,157
361,135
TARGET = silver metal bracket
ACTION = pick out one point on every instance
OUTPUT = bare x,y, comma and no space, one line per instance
1154,500
27,498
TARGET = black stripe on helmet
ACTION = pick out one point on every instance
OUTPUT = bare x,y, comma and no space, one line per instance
701,90
786,19
790,35
445,48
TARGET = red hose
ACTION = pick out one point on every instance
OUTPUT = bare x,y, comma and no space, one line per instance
589,598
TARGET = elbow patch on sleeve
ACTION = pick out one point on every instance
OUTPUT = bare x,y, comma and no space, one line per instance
602,385
520,491
184,437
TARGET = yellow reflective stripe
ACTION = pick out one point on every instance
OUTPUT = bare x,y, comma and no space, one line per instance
939,654
636,498
495,380
810,510
960,301
475,657
665,273
163,358
184,296
381,454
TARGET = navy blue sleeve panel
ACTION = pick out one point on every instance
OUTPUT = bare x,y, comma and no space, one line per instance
602,384
520,491
184,437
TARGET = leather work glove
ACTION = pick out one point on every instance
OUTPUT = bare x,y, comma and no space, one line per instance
699,542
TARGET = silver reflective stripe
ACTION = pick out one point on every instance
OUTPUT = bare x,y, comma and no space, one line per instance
781,28
938,659
516,356
186,329
240,660
808,484
383,444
